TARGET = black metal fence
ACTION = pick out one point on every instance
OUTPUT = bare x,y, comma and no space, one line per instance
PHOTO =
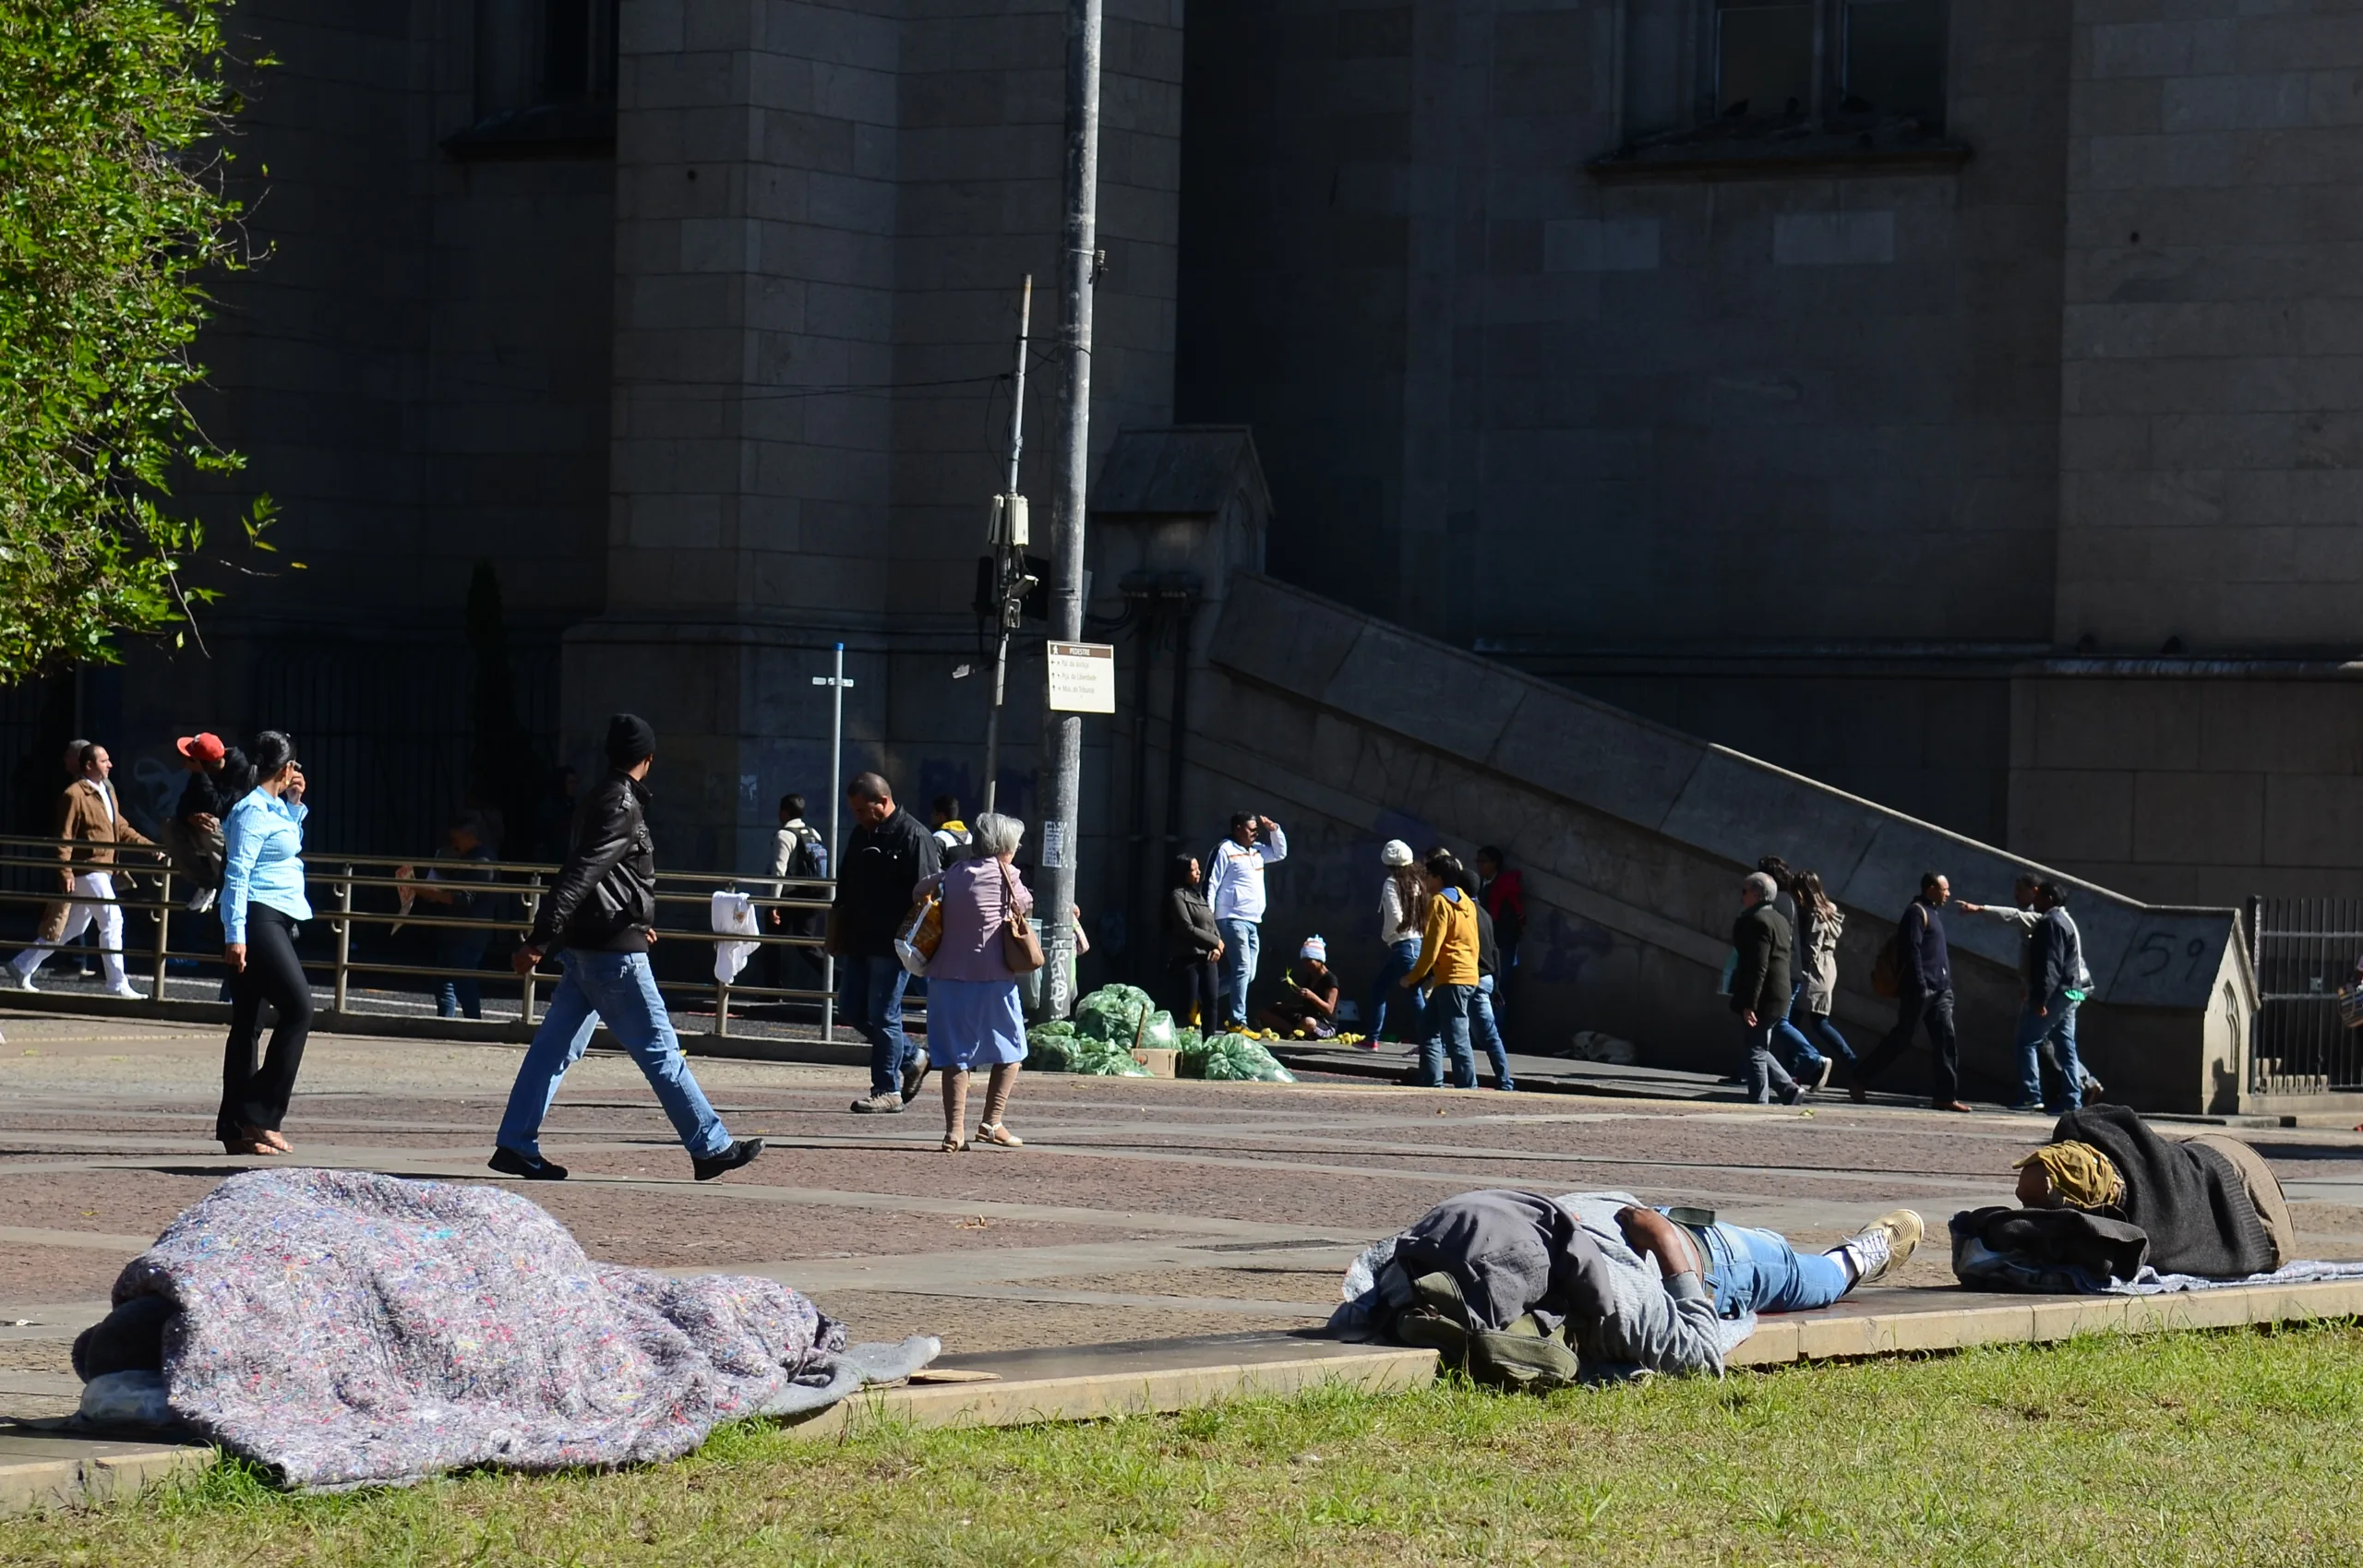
2306,950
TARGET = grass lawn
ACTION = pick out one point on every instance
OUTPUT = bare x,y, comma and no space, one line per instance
2242,1447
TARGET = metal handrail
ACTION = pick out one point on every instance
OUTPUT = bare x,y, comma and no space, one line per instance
376,873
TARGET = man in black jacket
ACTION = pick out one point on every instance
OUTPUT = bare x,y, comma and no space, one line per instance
1926,997
1763,947
602,913
884,860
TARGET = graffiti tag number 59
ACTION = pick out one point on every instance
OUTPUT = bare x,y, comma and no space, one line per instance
2157,950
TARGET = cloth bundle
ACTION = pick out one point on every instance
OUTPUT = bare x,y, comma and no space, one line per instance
346,1328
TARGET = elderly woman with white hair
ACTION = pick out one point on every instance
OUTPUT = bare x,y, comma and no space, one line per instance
974,1018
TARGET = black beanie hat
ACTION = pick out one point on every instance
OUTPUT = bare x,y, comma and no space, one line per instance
629,738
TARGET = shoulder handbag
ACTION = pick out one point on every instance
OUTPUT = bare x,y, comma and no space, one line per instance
1020,948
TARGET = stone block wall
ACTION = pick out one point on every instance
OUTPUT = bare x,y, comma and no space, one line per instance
2211,497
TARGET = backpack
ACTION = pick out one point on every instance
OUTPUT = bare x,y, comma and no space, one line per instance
1520,1357
808,859
1887,970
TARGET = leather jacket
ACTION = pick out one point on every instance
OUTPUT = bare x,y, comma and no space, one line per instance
605,896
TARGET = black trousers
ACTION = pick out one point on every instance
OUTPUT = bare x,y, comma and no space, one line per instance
251,1095
1914,1009
1200,983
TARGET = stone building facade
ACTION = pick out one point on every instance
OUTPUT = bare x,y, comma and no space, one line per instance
1955,401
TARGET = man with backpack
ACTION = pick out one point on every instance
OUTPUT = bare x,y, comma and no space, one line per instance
2053,983
798,854
1920,965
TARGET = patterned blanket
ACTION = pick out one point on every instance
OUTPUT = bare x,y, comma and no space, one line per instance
347,1329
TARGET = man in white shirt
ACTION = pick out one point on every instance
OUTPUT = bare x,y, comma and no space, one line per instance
1235,889
797,854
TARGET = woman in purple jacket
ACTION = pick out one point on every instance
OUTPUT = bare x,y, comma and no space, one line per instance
973,1015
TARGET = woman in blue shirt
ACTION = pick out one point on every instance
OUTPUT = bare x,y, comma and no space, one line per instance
262,900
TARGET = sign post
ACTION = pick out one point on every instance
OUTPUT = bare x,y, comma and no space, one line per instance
836,803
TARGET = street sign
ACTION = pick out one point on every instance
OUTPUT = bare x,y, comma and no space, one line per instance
1082,677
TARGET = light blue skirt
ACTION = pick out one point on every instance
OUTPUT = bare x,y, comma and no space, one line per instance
974,1024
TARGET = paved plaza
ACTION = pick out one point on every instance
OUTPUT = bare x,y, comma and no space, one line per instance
1139,1209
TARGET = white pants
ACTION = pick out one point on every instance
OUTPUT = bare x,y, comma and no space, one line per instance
78,915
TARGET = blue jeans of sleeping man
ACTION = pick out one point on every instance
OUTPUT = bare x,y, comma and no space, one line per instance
1757,1271
2057,1026
1449,1025
619,991
869,998
1241,942
1486,1030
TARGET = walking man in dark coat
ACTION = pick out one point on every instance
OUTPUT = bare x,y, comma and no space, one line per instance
1925,1000
601,916
1760,987
886,858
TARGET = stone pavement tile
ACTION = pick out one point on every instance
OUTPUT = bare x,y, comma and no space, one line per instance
50,1274
969,1324
118,1201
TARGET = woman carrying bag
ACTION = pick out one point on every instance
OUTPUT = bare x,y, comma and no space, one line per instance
973,1016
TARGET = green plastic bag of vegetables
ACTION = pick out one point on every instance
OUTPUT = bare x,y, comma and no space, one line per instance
1051,1047
1234,1059
1103,1059
1114,1012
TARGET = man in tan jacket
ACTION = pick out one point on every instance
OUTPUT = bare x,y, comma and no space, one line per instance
91,820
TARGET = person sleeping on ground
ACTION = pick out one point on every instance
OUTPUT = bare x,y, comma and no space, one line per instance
1528,1290
2108,1195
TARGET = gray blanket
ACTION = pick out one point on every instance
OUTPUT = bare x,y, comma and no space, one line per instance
346,1328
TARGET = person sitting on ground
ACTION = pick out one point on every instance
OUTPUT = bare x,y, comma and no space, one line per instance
2108,1194
1307,1006
1666,1290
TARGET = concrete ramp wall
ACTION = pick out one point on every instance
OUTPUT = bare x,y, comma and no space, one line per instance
1632,838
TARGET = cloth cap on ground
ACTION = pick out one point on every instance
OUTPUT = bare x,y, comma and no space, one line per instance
2080,1174
1315,950
204,746
629,738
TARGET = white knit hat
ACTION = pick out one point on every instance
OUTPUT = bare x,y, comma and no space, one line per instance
1396,856
1315,950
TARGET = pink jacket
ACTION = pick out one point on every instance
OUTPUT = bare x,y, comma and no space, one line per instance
973,905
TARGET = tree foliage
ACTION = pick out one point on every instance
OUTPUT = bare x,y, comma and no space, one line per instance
112,209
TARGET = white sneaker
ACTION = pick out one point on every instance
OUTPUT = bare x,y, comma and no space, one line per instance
127,991
201,900
18,979
1884,1245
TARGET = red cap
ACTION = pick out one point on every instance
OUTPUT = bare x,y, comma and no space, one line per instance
205,748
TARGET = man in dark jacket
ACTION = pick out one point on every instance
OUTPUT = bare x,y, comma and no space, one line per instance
1925,997
602,913
884,860
1763,947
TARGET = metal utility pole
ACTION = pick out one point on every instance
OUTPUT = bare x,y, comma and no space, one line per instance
1063,733
1010,535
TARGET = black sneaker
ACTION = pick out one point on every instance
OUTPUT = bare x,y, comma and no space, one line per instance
915,1073
741,1152
1796,1095
525,1167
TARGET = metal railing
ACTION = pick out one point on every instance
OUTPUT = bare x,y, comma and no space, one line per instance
2304,948
364,892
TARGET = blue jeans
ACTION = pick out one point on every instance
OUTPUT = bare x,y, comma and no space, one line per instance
1757,1271
1810,1033
462,993
869,998
1488,1032
2059,1028
1401,959
1448,1013
1242,940
619,991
